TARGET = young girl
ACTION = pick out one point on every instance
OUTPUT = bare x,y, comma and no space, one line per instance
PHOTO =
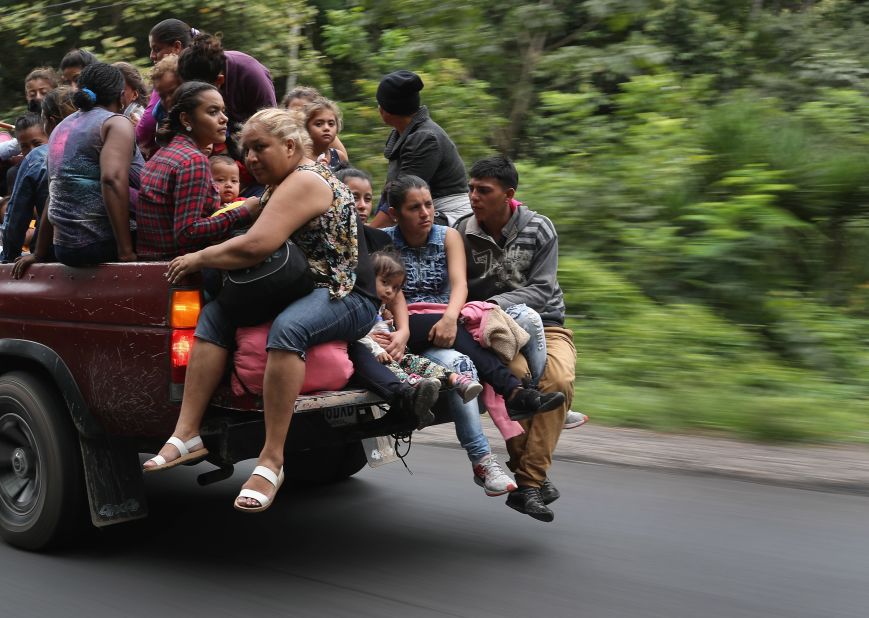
323,122
359,184
298,98
410,368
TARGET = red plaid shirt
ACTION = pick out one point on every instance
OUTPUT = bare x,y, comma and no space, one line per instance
175,201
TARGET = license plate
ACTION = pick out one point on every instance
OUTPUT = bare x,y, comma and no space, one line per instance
379,450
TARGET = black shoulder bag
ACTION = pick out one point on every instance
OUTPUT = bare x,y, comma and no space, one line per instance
257,294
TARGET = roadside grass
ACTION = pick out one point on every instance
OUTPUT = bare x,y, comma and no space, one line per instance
798,417
680,368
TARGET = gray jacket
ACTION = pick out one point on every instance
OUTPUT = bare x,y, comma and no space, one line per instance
524,270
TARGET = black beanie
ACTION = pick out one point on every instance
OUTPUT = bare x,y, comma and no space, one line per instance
398,93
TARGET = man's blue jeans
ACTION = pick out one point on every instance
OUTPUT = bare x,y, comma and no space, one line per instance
535,350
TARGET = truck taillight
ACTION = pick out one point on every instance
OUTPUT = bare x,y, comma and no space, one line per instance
184,309
182,342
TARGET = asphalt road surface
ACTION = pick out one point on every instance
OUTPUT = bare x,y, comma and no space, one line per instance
624,543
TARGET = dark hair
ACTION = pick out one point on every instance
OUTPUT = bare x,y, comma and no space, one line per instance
222,158
306,93
203,61
98,84
388,264
26,121
77,58
46,73
352,172
397,190
133,79
497,167
57,104
170,30
186,99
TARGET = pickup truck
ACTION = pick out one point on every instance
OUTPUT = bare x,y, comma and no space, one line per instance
92,365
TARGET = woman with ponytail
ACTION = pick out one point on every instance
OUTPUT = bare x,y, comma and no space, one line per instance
178,195
93,163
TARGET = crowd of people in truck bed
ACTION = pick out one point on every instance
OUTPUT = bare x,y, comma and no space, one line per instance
443,284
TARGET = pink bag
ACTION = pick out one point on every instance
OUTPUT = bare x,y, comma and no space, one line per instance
327,366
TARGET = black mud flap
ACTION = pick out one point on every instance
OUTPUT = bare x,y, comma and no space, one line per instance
113,475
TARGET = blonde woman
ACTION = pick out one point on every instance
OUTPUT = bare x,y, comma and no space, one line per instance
306,203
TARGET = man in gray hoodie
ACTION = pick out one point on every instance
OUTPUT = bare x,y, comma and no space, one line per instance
512,256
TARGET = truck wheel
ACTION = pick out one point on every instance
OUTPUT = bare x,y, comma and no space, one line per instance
41,486
324,465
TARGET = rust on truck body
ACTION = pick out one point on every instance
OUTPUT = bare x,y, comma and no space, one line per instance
109,325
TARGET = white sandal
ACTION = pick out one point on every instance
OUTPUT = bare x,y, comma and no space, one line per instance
264,501
186,455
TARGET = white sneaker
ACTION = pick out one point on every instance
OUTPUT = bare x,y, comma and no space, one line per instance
489,475
574,419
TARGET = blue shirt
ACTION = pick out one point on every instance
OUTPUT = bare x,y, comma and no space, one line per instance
427,279
30,191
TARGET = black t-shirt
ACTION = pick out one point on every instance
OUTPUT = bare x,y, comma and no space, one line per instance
364,270
377,239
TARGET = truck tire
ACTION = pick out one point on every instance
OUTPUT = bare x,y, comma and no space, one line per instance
41,478
324,465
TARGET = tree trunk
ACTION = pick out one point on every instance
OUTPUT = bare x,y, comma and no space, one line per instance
522,90
293,74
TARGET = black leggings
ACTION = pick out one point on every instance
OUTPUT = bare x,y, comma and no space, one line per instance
489,366
371,373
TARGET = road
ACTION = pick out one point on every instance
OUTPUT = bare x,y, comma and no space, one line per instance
624,543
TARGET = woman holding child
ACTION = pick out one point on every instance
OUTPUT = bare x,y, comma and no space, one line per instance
306,203
177,195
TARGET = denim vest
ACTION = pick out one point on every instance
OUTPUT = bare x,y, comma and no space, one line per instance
427,278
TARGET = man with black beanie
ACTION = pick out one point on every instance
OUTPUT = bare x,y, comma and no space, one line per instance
417,145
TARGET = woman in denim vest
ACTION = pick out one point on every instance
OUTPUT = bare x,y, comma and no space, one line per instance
434,258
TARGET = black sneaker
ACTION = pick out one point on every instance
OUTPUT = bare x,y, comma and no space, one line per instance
419,398
529,501
548,492
526,402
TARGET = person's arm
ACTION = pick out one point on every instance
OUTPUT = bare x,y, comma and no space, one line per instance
420,155
43,247
115,159
147,126
378,352
194,195
542,274
298,199
19,212
381,220
338,145
443,333
396,341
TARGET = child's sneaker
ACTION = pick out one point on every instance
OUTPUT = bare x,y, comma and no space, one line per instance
467,387
489,475
419,398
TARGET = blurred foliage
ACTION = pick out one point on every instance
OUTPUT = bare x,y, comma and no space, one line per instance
704,162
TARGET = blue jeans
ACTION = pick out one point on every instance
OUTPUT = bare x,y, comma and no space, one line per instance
535,350
466,416
304,323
